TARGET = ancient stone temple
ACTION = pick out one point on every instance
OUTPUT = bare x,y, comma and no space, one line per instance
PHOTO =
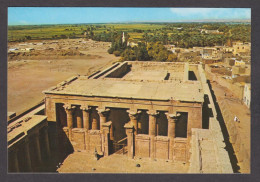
151,107
149,110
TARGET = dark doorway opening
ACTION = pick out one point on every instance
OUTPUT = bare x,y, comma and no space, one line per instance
192,76
118,139
181,125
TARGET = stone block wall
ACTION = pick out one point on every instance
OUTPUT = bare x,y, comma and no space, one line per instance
237,139
119,71
162,148
142,146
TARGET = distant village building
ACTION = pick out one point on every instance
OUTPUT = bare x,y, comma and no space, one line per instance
132,44
239,63
210,31
210,55
240,47
189,56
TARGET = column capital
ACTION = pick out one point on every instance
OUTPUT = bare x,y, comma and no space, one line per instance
173,116
68,107
152,112
133,114
129,125
102,111
85,108
107,124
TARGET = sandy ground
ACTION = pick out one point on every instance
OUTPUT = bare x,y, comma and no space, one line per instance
237,109
80,162
27,78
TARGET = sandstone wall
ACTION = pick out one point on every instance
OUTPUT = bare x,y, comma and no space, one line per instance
237,139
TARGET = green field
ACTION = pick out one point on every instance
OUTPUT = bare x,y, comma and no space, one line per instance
36,32
187,36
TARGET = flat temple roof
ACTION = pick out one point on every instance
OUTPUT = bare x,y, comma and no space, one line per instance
164,90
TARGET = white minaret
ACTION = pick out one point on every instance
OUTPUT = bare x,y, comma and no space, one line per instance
123,38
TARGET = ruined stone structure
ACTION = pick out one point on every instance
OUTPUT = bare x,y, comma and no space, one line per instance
28,143
139,109
151,107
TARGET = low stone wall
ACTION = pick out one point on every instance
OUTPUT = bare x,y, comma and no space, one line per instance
237,139
119,71
144,65
162,148
85,141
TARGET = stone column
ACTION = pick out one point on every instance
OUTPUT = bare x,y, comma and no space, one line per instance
130,139
79,118
69,111
105,138
47,144
94,124
85,113
27,156
37,147
152,131
102,114
111,132
133,119
172,119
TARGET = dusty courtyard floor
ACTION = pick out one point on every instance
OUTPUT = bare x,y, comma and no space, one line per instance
80,162
237,109
27,78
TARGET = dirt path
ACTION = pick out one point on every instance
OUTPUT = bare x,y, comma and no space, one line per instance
28,78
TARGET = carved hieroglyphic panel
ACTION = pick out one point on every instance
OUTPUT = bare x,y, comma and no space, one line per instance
180,151
161,149
94,141
78,140
142,148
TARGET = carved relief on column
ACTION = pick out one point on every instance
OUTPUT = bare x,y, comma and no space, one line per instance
172,119
103,117
152,131
133,115
85,113
130,139
105,137
79,118
152,122
69,111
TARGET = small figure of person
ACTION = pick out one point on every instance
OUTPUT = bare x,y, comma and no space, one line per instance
236,119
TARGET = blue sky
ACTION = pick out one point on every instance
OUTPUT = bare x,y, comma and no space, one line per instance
51,15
